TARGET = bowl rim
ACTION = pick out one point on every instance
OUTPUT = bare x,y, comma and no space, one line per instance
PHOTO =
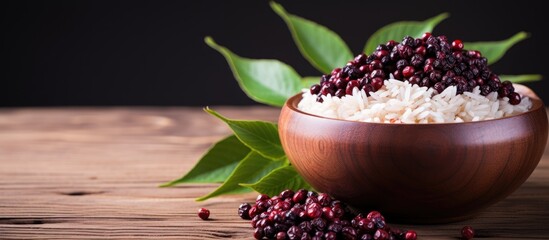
537,103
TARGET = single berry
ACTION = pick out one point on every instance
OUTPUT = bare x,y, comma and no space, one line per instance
426,36
315,89
373,214
376,83
467,232
410,235
203,213
328,213
258,233
253,212
243,211
514,98
421,50
408,71
330,236
324,199
360,59
281,236
314,210
261,197
286,194
457,45
294,232
376,64
335,71
301,195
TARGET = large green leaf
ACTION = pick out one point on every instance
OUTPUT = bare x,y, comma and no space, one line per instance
217,164
252,168
307,82
521,78
494,50
257,135
278,180
396,31
323,48
263,80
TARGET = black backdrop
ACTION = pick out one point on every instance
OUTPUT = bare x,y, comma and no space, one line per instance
57,53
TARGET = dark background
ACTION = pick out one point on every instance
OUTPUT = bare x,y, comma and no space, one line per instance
65,53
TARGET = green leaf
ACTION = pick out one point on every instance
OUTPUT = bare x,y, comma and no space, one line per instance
521,78
263,80
494,50
217,164
252,168
307,82
257,135
278,180
323,48
396,31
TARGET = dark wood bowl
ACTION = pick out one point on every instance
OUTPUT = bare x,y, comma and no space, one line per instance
416,173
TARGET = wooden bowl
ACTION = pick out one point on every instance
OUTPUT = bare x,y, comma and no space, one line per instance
416,173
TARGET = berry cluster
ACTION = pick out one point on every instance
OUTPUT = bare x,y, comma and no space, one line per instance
310,215
428,61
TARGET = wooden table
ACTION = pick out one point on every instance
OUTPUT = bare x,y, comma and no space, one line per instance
94,172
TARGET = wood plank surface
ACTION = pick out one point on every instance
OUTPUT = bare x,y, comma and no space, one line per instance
93,173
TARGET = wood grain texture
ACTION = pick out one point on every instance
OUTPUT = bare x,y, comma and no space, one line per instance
416,173
92,173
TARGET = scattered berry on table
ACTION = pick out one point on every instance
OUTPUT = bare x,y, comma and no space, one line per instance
310,215
467,232
203,213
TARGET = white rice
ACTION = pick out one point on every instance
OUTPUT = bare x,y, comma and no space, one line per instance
402,102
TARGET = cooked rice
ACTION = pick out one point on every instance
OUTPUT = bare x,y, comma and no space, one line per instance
402,102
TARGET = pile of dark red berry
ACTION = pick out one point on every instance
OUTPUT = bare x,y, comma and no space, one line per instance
428,61
310,215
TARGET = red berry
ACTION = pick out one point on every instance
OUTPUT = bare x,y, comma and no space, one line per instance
281,236
426,69
410,235
360,59
381,53
261,197
328,213
203,213
467,232
335,71
408,71
391,43
376,64
350,86
425,36
243,211
421,50
364,69
258,233
514,98
457,45
377,83
286,194
374,214
253,212
314,210
299,196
